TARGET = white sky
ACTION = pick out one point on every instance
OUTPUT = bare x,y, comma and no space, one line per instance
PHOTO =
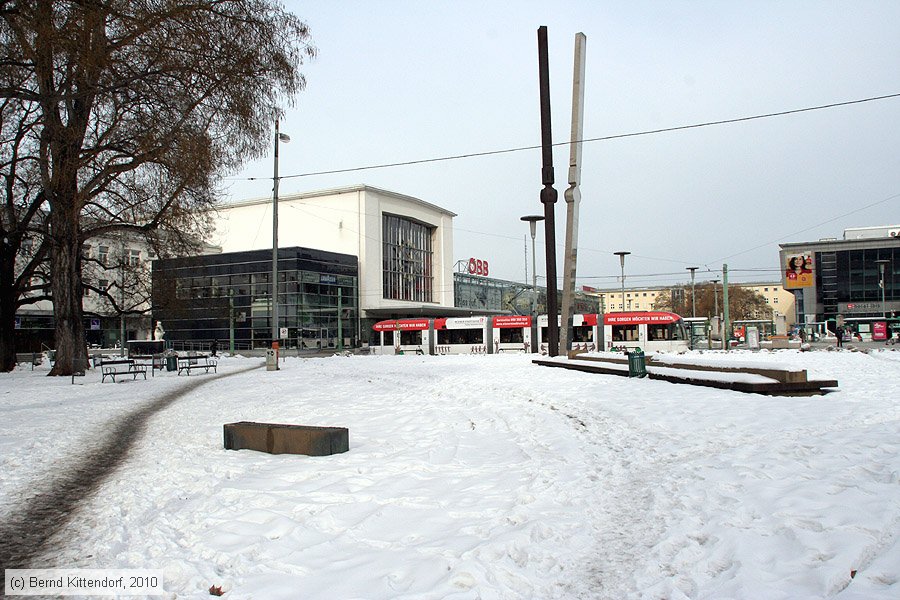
404,81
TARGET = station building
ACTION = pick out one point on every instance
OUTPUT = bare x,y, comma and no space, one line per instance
348,257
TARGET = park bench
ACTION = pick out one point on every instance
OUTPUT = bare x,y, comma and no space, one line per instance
187,364
32,358
111,368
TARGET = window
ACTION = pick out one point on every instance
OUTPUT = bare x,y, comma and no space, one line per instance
103,255
86,251
104,283
132,257
406,260
775,301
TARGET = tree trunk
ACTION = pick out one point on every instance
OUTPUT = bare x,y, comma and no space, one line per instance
65,260
7,313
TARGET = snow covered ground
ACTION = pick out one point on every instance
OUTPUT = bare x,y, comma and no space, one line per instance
481,477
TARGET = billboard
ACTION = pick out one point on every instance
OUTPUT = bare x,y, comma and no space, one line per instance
798,270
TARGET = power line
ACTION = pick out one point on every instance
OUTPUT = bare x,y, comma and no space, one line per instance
595,139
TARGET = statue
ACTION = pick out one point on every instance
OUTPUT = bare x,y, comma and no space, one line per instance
159,333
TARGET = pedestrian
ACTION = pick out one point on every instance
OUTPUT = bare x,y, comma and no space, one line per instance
839,333
215,347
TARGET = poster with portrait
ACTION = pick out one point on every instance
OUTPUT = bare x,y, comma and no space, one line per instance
799,271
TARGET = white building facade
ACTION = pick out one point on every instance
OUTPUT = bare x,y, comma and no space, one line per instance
404,245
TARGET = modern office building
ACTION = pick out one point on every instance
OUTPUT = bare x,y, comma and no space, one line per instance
855,277
227,297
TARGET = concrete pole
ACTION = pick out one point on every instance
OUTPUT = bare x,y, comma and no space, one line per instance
573,194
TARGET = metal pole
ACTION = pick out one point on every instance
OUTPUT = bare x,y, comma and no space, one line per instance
275,241
548,193
340,331
573,193
532,224
693,292
622,254
726,333
231,321
881,265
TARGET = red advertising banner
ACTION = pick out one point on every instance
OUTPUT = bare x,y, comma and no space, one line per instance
512,321
401,325
639,318
879,331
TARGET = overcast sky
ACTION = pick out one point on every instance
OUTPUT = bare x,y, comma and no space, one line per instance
403,81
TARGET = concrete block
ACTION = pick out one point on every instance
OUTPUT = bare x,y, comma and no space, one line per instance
286,439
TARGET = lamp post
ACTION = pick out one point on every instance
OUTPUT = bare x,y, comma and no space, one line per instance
279,137
882,263
715,283
693,292
532,221
622,254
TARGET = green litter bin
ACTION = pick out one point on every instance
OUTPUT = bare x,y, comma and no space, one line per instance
637,363
172,363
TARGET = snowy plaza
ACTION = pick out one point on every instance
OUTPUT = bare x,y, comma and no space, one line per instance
477,477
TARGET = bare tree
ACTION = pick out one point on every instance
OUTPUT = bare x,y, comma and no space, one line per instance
23,265
743,302
141,106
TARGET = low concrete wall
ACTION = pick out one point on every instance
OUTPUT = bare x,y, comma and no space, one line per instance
286,439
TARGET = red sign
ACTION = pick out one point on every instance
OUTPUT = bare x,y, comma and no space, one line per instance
512,321
478,267
879,330
639,318
401,325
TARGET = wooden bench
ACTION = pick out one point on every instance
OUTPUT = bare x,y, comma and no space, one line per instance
32,358
111,368
188,363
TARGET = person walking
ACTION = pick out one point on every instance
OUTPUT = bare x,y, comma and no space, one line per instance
839,332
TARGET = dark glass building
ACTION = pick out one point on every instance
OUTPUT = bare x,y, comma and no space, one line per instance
201,299
854,278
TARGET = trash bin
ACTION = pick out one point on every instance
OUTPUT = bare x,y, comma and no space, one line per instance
271,360
172,362
637,363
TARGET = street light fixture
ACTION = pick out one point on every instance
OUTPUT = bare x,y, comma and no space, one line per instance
693,292
882,263
622,254
532,221
279,137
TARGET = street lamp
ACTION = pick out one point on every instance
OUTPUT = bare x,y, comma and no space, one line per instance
882,263
279,137
715,283
532,221
622,254
693,294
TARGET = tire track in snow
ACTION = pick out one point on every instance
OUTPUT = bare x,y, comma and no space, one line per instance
25,535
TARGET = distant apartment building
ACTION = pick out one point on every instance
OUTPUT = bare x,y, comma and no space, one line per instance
644,298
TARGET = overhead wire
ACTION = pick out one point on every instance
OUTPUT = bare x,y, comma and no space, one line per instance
584,140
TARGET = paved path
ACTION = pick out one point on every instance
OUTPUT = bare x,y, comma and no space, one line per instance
24,536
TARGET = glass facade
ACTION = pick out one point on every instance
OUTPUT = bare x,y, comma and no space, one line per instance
204,298
407,260
849,281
